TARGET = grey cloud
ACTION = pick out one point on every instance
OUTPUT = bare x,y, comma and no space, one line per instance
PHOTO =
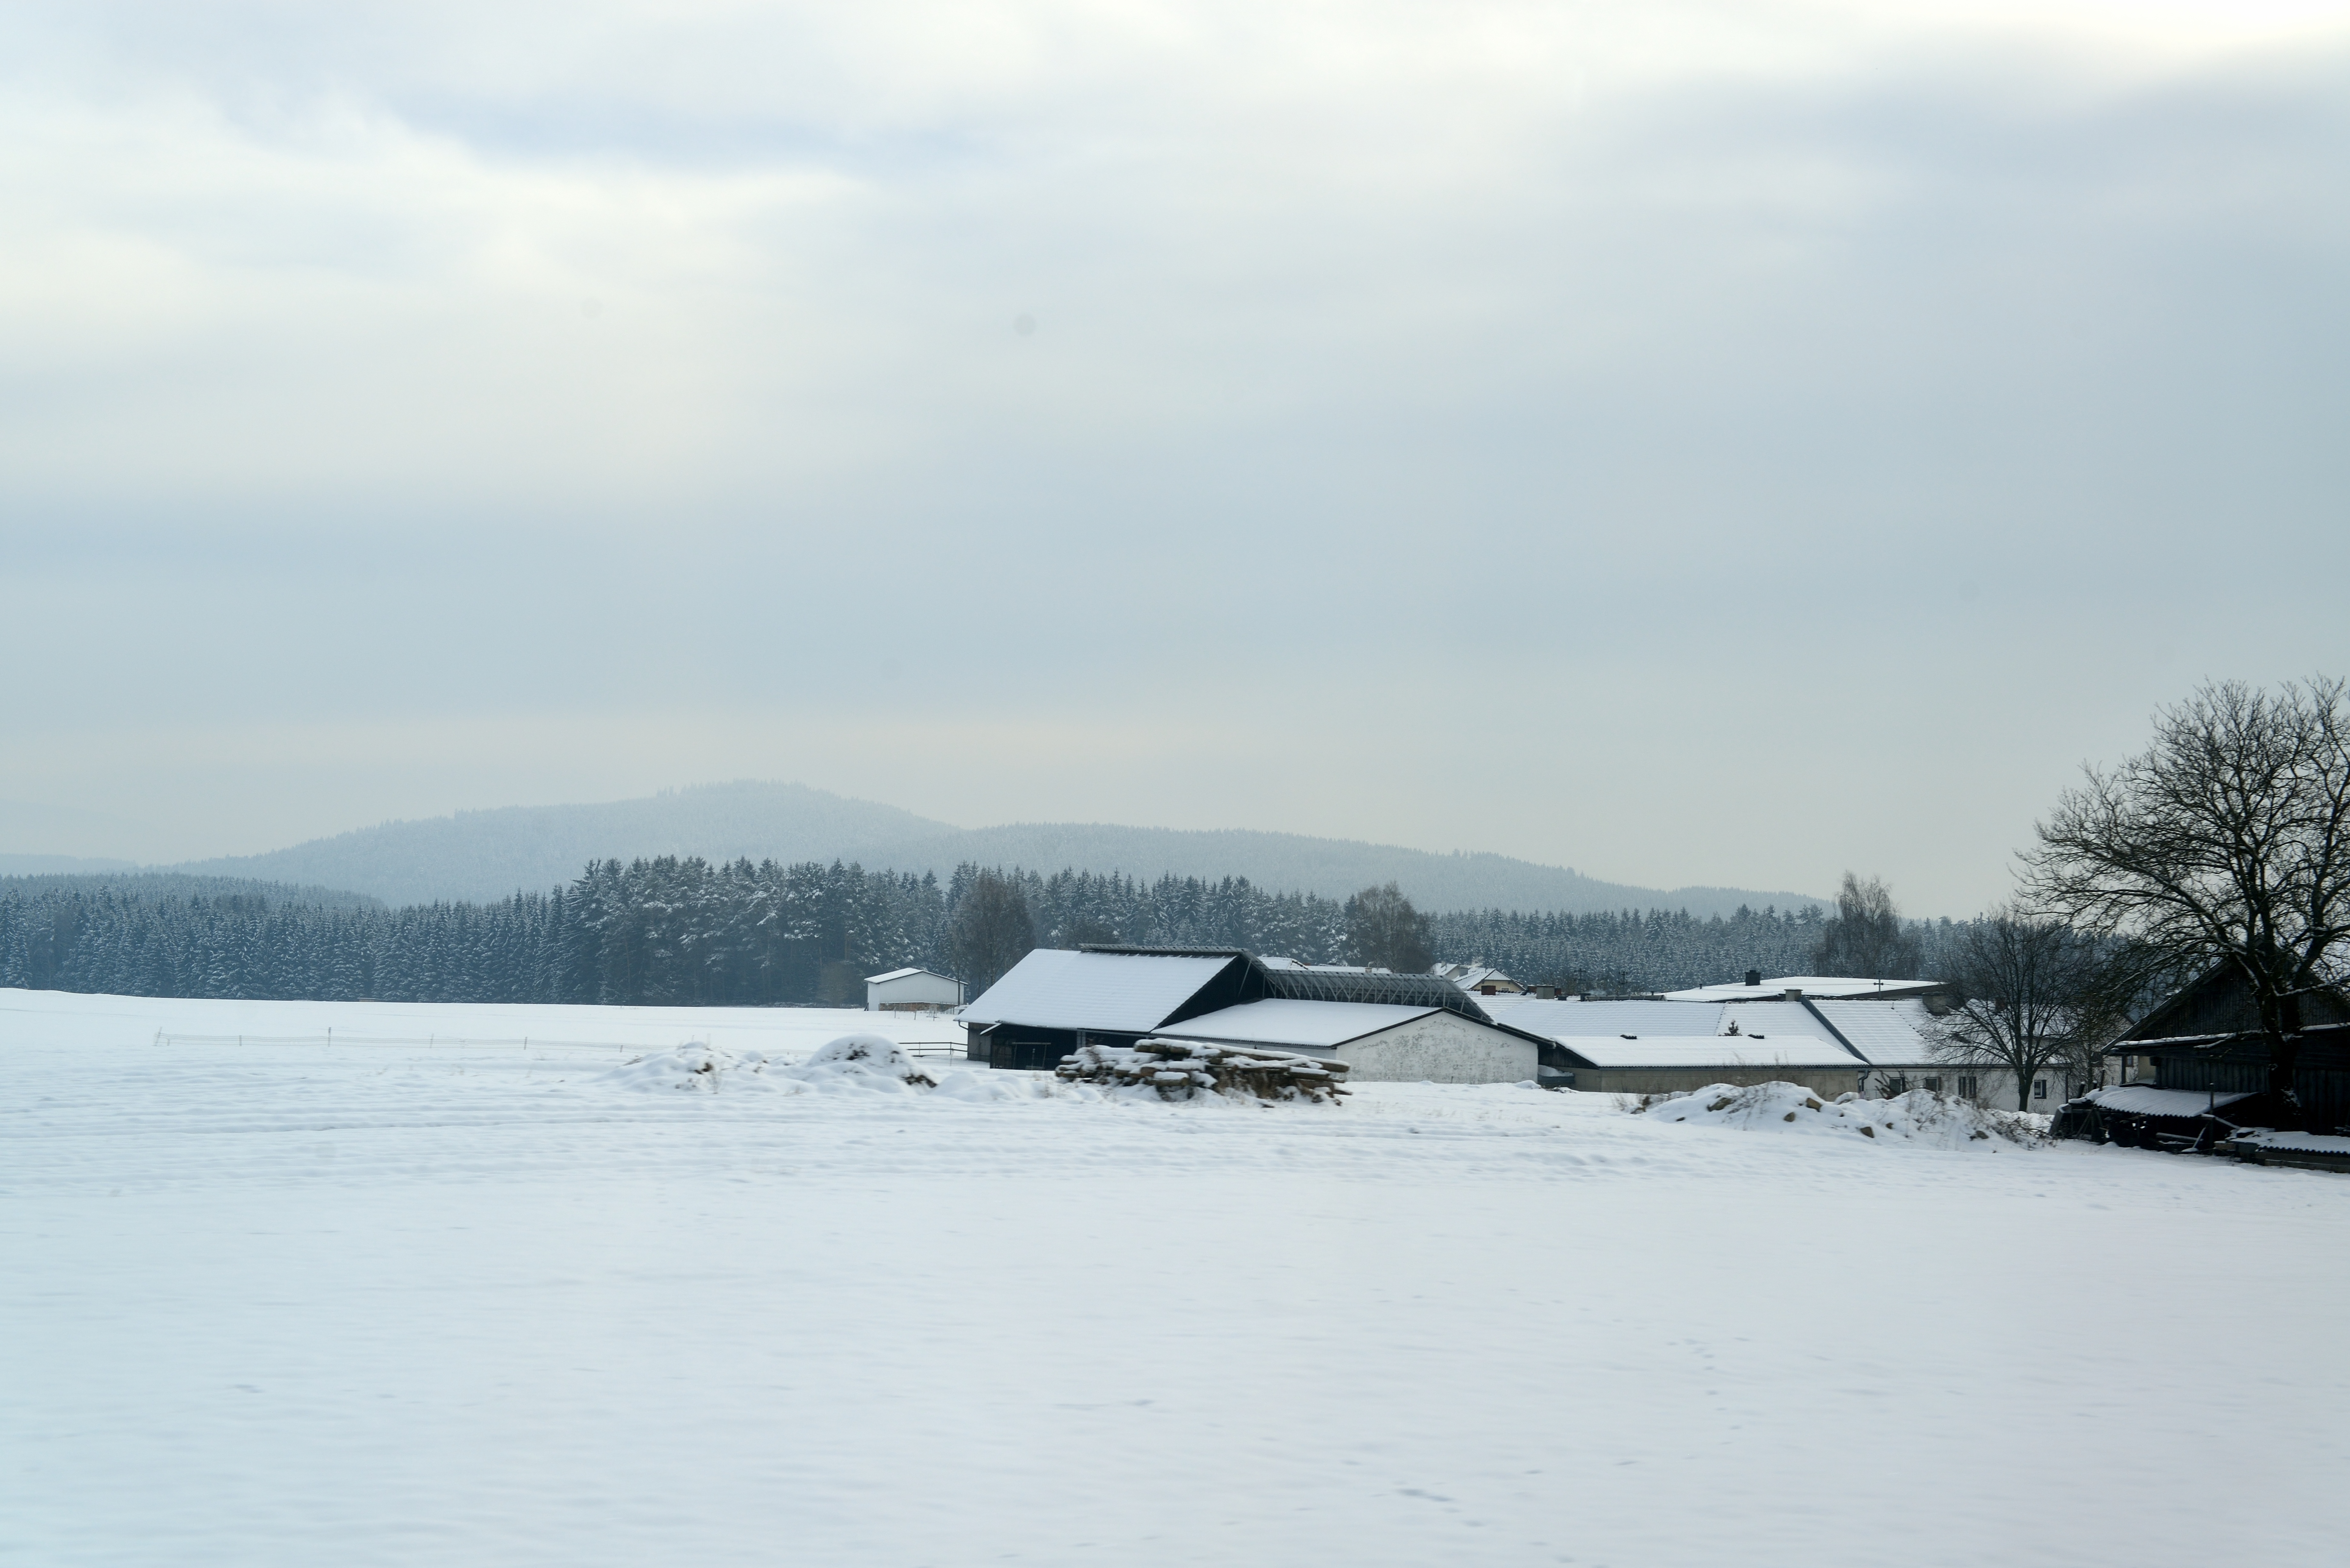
1730,455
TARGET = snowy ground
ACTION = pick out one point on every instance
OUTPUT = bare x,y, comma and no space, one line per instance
283,1303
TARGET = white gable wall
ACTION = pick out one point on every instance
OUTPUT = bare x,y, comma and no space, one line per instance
1439,1048
912,988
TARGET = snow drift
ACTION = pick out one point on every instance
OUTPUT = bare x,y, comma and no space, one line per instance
1916,1117
851,1065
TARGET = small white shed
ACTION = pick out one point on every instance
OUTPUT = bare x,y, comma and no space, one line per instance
911,990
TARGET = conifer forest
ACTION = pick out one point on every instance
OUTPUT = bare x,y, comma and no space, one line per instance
687,931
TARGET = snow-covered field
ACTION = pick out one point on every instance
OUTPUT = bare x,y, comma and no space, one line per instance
483,1303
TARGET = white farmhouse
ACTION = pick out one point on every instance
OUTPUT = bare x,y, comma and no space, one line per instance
911,990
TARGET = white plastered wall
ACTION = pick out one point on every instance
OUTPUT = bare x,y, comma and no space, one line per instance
1441,1048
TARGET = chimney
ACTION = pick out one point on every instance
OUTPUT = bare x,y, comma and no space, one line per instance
1793,994
1755,977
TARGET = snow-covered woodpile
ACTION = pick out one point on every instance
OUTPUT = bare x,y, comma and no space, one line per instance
1178,1069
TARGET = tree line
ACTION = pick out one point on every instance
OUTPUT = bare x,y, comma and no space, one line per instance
688,931
2223,848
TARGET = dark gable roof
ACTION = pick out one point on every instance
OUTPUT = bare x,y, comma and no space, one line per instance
2218,1002
1400,990
1325,984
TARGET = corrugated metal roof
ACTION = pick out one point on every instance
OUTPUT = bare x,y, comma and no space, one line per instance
1310,1025
1373,986
1053,988
2133,1100
906,974
1889,1033
1743,1052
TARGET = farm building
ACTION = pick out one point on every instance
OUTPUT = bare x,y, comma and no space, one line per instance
1898,1039
911,990
1873,1047
1671,1063
2214,1007
1381,1042
1384,1026
2229,1075
1478,976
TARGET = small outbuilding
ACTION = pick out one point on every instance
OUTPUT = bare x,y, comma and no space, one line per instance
1480,978
911,990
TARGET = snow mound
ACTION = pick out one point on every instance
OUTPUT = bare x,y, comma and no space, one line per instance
856,1057
1916,1117
853,1063
701,1069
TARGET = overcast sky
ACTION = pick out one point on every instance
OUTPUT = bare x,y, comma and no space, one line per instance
1693,443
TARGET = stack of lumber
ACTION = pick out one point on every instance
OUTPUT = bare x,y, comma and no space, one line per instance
1178,1069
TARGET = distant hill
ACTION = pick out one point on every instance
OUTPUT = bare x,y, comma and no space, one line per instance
483,854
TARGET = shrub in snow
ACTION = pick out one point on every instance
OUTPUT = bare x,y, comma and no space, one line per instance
1180,1069
696,1069
1918,1116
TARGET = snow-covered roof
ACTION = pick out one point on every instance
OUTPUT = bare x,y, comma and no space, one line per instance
906,974
1815,986
1889,1033
1128,993
1313,1025
1560,1018
2298,1142
1773,1017
1739,1051
1891,1026
1469,977
2132,1099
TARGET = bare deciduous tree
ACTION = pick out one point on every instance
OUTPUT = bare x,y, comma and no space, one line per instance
2226,842
1865,938
1384,930
991,930
2030,995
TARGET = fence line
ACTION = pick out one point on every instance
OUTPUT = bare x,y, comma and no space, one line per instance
524,1042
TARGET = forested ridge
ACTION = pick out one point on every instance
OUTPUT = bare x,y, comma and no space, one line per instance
688,931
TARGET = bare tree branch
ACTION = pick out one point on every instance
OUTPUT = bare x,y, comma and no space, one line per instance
2226,842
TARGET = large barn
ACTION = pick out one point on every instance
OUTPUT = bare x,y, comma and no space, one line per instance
1386,1027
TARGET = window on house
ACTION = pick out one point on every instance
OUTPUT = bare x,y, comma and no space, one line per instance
2039,1088
1966,1088
1933,1085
